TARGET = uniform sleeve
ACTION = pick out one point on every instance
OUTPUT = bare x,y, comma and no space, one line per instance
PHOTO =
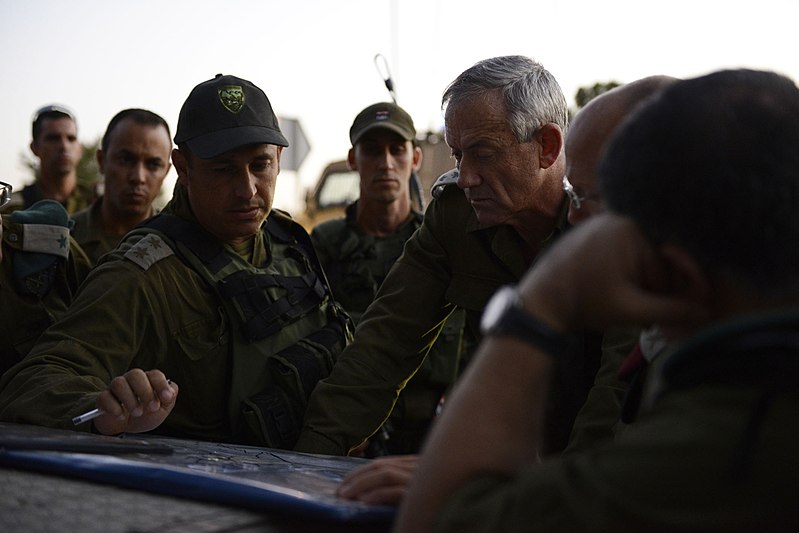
599,414
673,470
108,324
79,265
554,496
388,348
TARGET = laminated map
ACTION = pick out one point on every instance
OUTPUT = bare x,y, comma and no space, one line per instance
262,479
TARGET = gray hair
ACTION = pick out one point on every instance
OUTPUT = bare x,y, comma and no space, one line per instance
532,95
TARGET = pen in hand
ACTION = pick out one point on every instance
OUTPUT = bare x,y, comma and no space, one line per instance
88,415
94,413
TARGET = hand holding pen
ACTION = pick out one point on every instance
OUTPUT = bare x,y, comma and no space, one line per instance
135,402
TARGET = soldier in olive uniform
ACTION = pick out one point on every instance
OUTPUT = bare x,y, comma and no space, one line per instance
219,295
386,480
358,251
134,160
505,120
41,267
55,143
701,238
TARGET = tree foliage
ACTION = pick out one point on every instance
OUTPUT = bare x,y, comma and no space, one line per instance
88,169
588,93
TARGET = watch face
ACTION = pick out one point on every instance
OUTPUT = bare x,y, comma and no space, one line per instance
502,299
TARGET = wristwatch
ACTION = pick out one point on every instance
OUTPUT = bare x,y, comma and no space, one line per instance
505,316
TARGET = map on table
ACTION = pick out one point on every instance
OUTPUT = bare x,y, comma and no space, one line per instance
244,476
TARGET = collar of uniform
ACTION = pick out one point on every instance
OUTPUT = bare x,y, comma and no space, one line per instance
709,350
351,213
561,221
179,204
351,216
88,227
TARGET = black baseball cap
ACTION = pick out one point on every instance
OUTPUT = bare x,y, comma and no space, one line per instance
383,115
225,113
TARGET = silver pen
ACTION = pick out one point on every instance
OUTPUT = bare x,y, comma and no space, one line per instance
88,415
94,413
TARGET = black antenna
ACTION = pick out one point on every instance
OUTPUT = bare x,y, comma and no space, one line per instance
381,64
382,69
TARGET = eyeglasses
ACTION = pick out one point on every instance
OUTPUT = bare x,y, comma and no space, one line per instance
5,193
574,198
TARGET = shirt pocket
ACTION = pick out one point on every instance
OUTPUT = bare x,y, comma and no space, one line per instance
473,292
204,337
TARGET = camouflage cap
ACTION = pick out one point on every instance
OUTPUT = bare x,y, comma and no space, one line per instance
225,113
383,115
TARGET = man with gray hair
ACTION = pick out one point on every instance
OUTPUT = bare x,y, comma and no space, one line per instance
505,121
386,480
700,237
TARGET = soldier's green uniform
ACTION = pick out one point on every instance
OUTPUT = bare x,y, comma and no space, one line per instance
178,301
598,419
24,315
88,231
356,265
449,261
713,449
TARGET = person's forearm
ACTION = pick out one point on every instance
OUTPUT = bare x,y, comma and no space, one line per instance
492,423
353,402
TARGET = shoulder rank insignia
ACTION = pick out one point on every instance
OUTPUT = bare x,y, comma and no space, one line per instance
447,178
149,251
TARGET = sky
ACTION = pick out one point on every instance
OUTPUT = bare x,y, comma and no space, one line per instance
315,59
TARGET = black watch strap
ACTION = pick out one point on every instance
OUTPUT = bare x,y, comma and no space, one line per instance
518,323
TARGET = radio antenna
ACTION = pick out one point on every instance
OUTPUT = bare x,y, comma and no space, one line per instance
382,69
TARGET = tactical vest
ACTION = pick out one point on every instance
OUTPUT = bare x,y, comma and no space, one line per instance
359,263
285,330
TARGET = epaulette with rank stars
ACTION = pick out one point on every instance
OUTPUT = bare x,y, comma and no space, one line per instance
149,251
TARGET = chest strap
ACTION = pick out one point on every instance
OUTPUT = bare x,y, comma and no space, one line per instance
262,315
201,243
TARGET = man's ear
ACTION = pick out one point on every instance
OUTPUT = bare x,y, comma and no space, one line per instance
351,159
550,137
685,276
100,156
181,166
279,154
417,158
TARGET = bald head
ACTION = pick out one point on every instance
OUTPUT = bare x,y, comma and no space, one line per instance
590,132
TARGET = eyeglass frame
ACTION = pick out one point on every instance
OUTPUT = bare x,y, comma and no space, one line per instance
575,199
5,195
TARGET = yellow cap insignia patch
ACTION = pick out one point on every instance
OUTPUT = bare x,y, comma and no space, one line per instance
232,97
